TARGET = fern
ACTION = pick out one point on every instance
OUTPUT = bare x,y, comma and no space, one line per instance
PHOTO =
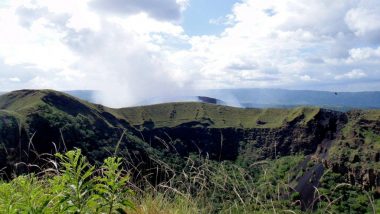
112,188
76,178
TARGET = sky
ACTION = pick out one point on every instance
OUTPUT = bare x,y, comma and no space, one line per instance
131,50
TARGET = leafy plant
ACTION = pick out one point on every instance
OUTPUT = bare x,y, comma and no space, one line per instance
112,188
76,180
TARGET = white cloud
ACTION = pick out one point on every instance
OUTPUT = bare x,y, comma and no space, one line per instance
14,79
364,18
291,42
360,54
122,56
135,51
306,78
354,74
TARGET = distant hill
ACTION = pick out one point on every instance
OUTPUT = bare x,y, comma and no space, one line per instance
264,98
173,99
269,98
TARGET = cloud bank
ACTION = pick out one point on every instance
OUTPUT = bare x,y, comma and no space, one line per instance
134,50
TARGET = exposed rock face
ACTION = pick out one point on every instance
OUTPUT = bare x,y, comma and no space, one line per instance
365,176
356,152
254,143
359,175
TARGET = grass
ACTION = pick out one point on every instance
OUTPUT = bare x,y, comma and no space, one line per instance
21,101
162,115
69,183
72,185
215,116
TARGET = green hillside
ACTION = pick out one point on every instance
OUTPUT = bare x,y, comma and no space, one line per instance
162,115
293,150
174,114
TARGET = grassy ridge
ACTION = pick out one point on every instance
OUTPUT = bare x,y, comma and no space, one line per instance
164,115
174,114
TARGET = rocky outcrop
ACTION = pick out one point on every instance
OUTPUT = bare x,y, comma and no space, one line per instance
356,152
253,143
364,176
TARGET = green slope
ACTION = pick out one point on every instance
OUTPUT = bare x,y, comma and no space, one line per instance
162,115
174,114
25,102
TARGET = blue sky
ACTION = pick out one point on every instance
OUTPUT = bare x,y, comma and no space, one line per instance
160,48
198,16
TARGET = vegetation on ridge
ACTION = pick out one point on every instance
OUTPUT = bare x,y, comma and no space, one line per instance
215,116
194,157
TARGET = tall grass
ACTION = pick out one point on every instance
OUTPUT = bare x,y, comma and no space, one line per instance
70,184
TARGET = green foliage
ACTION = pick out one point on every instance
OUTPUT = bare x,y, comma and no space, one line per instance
74,188
25,194
203,186
346,198
76,180
110,186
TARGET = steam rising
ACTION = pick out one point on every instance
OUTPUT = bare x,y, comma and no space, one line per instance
123,69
